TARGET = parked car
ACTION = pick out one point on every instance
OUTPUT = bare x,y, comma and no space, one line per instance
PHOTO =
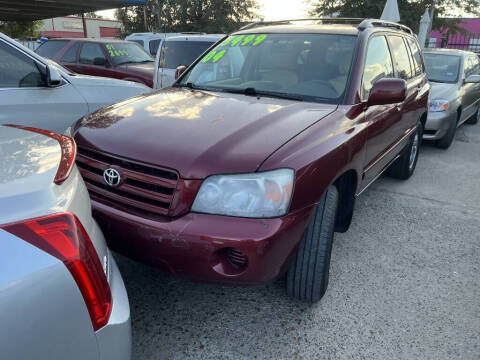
242,171
179,50
62,295
117,59
151,42
455,96
37,92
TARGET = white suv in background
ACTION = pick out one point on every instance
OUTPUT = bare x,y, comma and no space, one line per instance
176,51
38,92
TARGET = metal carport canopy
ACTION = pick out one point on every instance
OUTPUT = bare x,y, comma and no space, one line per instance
27,10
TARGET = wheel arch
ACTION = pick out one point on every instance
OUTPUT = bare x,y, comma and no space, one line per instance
346,185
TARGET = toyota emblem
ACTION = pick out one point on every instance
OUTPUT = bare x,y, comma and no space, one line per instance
111,177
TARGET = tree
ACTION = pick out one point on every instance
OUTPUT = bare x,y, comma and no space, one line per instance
211,16
410,10
21,29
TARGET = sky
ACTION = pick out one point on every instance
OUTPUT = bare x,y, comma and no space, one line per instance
270,9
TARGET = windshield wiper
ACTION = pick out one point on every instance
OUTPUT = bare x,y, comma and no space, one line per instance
192,86
253,92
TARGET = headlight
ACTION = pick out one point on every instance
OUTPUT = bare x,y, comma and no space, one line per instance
257,195
438,105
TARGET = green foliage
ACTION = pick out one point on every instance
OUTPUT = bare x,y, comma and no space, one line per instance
210,16
410,10
21,29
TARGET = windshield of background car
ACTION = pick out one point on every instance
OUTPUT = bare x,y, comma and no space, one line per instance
126,53
442,68
176,53
313,67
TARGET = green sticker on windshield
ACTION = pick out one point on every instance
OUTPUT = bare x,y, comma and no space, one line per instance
248,39
226,41
114,52
237,40
210,55
259,39
218,56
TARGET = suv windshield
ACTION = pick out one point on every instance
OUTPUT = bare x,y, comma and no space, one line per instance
442,68
312,67
127,52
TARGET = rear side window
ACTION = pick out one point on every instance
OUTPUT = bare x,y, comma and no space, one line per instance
90,51
401,57
476,65
70,55
417,58
51,48
175,53
378,64
153,46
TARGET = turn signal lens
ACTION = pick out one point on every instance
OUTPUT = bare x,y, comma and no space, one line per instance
63,236
69,151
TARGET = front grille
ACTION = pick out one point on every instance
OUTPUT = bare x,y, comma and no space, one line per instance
143,189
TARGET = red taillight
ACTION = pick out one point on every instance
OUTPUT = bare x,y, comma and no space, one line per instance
69,151
63,236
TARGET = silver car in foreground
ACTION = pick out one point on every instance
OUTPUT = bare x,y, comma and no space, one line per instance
61,293
454,76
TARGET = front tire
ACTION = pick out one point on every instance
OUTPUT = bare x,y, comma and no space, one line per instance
307,277
405,165
447,139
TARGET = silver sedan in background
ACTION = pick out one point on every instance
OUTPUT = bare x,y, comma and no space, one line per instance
454,76
61,293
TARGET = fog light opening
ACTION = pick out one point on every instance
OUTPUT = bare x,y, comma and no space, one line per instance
236,258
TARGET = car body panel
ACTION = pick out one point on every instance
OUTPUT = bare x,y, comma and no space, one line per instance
41,304
463,98
201,133
56,108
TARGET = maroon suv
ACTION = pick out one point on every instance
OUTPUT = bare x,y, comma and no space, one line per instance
111,58
244,169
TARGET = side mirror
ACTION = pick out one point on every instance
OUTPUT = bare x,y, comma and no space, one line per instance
387,91
100,61
54,78
473,79
179,71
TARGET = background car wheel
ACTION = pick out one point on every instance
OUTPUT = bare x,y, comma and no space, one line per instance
307,277
405,165
446,141
475,118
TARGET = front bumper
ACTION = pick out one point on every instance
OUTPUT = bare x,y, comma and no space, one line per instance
437,124
194,245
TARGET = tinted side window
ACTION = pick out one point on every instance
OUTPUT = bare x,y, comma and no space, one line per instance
378,64
50,48
177,53
401,58
153,46
70,55
417,57
140,42
18,70
90,52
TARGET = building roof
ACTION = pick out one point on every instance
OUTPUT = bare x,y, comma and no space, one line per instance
27,10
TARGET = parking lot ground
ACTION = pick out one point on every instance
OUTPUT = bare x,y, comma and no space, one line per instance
405,283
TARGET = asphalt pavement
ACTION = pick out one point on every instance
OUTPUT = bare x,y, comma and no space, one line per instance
404,283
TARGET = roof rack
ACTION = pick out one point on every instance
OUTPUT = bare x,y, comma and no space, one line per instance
324,20
361,23
368,23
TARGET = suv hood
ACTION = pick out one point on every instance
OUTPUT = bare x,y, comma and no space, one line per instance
198,133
